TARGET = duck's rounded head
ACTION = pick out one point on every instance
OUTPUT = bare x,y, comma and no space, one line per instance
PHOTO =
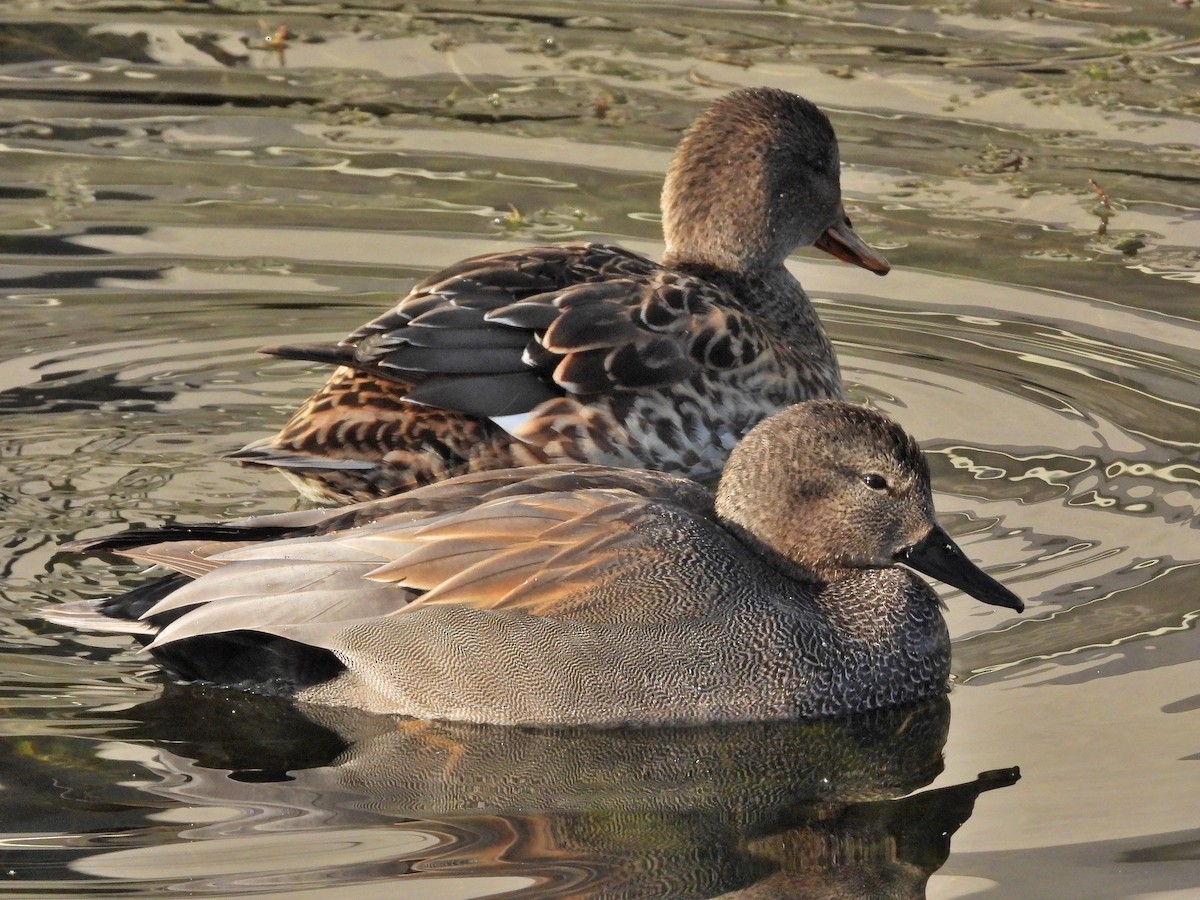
827,488
754,177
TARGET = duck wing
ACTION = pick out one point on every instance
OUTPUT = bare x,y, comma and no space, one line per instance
497,335
544,555
551,542
554,555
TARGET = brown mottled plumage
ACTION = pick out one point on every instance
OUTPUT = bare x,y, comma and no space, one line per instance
569,595
591,353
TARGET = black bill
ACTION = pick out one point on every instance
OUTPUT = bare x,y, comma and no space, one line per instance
939,557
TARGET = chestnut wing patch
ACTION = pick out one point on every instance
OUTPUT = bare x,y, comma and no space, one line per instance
529,553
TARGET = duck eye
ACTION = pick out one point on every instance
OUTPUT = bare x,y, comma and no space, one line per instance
875,481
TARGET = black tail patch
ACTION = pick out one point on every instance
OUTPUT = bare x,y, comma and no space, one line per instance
246,660
249,661
132,605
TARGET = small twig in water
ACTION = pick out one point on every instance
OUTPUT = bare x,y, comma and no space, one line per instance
1101,193
1106,210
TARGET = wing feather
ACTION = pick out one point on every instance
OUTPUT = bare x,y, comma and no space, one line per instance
430,564
576,319
254,612
523,561
88,615
258,578
548,541
482,584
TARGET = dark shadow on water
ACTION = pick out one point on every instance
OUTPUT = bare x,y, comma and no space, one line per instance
77,390
78,279
63,244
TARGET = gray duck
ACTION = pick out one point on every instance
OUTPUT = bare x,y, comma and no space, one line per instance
578,594
588,352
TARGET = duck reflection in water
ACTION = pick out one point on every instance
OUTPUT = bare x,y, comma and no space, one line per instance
784,809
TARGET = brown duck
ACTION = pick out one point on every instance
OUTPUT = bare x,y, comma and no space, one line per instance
591,353
564,595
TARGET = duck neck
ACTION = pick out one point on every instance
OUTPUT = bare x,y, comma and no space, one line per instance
803,572
773,294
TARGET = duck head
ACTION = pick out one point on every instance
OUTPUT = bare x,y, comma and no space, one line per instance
756,176
829,488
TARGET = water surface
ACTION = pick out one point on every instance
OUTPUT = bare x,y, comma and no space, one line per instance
176,194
